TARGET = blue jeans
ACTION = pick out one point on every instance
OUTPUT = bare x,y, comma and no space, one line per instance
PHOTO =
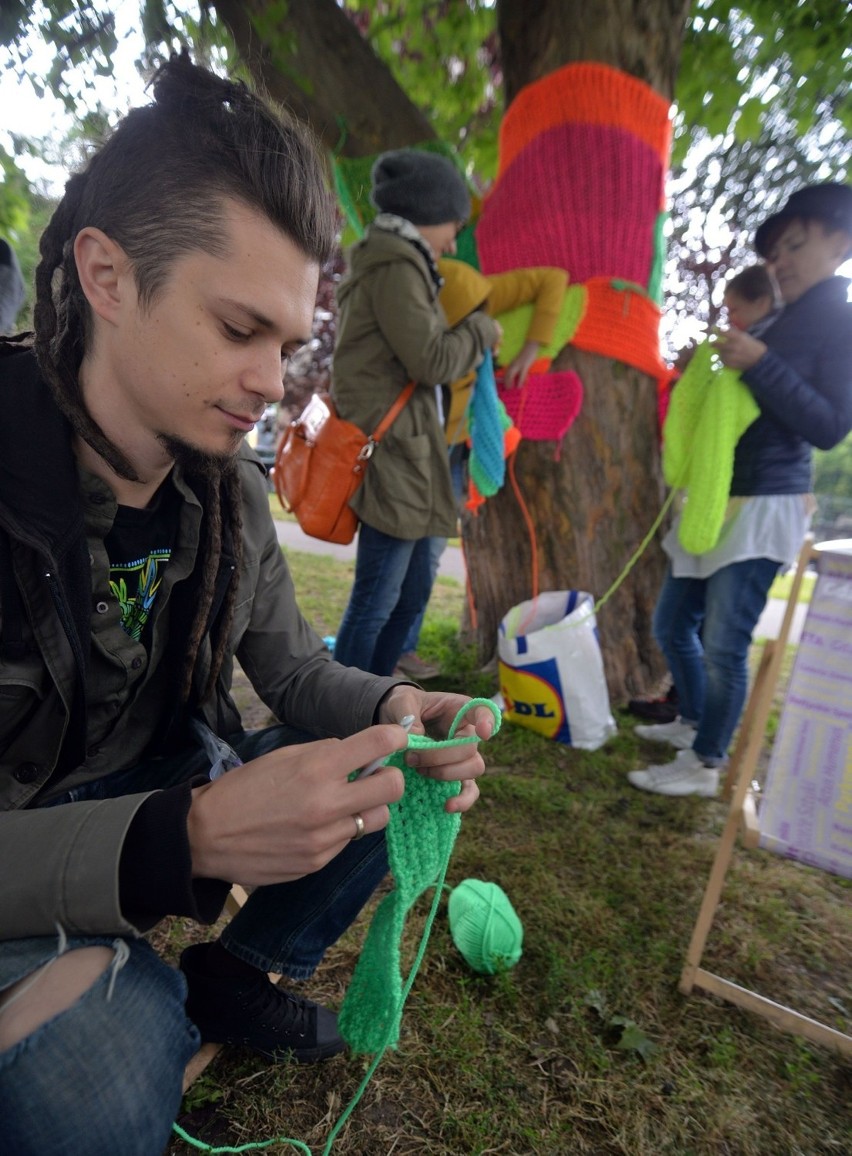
393,581
704,626
105,1076
437,546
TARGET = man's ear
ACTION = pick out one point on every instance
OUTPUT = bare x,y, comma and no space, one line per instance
104,272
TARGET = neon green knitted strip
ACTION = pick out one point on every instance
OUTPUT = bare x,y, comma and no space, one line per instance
710,410
420,839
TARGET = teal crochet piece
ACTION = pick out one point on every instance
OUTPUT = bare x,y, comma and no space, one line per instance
709,412
420,839
488,420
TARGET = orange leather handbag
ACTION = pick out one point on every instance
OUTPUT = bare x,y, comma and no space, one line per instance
320,463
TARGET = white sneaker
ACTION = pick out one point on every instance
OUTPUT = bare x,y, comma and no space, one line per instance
679,734
687,775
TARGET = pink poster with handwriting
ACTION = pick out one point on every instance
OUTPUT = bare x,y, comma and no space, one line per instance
806,808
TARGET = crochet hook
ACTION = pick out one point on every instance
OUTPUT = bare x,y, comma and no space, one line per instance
406,722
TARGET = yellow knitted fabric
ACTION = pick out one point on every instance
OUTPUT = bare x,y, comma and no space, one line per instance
710,410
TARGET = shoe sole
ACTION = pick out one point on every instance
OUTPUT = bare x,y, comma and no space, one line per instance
699,793
680,743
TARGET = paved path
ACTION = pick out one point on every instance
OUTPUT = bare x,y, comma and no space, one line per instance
291,535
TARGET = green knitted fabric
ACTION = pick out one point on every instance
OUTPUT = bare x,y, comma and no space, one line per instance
709,411
655,280
515,324
420,839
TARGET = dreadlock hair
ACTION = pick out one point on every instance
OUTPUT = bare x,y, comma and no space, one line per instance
158,188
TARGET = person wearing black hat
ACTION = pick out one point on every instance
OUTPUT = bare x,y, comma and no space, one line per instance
392,330
799,371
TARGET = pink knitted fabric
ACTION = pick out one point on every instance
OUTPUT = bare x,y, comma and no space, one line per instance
584,197
547,405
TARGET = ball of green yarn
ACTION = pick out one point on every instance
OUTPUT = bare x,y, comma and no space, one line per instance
484,926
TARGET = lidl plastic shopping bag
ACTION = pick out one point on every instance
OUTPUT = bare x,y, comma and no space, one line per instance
551,669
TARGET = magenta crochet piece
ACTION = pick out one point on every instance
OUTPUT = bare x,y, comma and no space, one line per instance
553,206
547,405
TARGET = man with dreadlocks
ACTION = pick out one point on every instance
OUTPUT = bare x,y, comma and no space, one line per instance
138,559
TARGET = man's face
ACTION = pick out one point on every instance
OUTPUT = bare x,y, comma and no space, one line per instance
200,365
803,255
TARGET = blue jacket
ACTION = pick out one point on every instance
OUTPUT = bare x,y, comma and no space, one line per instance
803,385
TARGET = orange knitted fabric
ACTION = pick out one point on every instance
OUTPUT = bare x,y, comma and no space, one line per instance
622,322
586,93
581,184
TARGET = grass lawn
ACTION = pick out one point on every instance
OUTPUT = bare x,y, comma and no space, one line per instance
586,1046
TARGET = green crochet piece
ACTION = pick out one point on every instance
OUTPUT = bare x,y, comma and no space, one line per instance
515,324
420,839
709,412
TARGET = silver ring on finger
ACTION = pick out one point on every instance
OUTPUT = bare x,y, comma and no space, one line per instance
360,829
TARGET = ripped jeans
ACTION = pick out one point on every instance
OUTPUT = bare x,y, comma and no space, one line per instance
59,1093
104,1077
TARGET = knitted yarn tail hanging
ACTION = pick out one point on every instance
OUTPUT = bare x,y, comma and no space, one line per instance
709,411
420,839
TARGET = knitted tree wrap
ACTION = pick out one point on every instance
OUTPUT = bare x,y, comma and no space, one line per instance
546,406
420,838
583,157
515,324
709,411
622,322
591,219
587,93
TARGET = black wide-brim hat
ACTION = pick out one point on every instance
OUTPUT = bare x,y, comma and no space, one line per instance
830,203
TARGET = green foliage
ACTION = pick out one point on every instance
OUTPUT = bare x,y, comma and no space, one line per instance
833,470
760,56
444,57
15,196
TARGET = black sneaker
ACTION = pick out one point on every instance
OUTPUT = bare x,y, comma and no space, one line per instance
656,710
254,1013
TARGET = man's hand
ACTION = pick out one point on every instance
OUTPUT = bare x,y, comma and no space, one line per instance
738,349
434,713
289,812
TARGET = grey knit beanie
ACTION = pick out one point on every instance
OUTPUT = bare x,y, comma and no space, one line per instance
424,188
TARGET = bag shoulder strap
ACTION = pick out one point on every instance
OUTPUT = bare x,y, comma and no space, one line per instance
393,413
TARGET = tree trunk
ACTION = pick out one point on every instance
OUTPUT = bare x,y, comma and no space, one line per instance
312,59
592,508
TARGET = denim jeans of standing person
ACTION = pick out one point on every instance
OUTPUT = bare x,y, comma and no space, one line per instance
105,1076
393,581
704,626
458,455
437,546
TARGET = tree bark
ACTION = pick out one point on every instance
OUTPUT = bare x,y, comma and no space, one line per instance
590,511
312,59
592,508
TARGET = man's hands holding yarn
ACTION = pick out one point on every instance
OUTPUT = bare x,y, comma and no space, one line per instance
434,713
288,813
